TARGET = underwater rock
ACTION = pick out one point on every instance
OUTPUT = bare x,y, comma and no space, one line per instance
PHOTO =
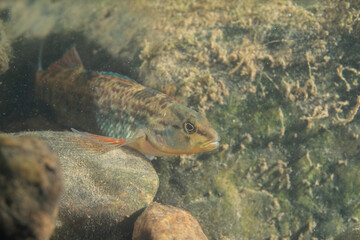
103,186
167,222
351,233
30,185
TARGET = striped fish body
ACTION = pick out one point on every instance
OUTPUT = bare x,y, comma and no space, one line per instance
113,105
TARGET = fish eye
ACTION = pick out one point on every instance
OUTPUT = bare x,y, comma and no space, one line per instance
189,127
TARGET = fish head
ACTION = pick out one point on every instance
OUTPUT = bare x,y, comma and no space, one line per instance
183,131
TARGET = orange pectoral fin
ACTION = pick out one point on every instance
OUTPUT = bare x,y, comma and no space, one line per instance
102,139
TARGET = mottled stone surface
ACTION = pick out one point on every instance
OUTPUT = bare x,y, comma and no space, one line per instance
30,185
103,187
160,222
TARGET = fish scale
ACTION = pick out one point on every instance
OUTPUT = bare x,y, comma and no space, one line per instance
116,116
114,109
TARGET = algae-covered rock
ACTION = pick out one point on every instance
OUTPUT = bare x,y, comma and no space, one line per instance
351,233
252,214
5,55
166,222
5,49
110,24
30,186
103,186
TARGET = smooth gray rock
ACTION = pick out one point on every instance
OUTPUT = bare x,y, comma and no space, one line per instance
103,186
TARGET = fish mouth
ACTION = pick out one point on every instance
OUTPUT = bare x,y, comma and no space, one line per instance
210,145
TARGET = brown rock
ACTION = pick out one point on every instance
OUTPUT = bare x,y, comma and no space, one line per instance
160,222
30,184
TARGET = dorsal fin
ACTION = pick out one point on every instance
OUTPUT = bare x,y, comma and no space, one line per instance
116,75
70,59
122,78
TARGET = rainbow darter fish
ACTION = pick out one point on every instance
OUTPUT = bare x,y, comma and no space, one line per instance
122,111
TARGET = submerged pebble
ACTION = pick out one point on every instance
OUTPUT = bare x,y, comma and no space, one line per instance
167,222
30,185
